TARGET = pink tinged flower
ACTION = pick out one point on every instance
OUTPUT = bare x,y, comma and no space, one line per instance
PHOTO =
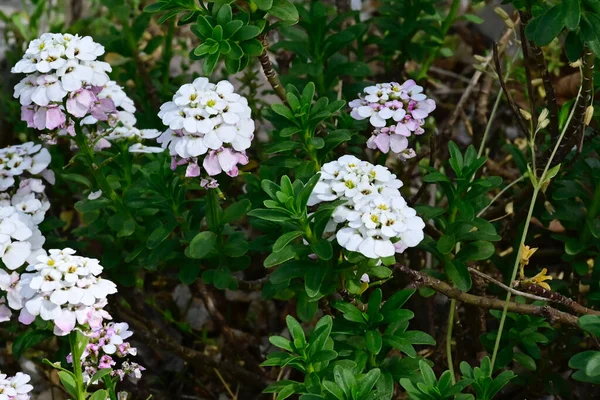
398,143
209,183
25,317
102,108
106,361
365,278
382,142
5,312
223,160
192,170
50,117
80,103
407,154
27,114
64,323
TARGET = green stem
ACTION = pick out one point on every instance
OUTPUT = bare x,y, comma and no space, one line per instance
495,107
85,148
110,387
77,371
536,190
522,177
450,327
312,153
449,339
444,30
213,211
537,184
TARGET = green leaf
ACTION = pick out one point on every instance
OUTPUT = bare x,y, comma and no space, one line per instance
314,279
189,273
91,205
160,234
247,32
525,360
224,14
435,177
27,340
549,26
374,341
210,62
458,274
476,251
308,93
99,375
573,46
201,245
231,28
236,211
264,5
100,394
295,330
322,249
285,239
324,356
78,179
572,12
590,323
252,47
446,243
285,254
204,27
68,381
284,10
273,215
306,308
222,278
282,343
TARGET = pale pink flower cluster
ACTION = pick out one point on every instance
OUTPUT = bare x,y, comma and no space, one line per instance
107,348
207,121
396,112
15,387
63,288
62,68
374,219
120,125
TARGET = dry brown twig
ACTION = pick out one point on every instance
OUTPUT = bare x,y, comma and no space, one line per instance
552,314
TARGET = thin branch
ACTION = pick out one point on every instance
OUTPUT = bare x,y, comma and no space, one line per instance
267,67
420,279
540,61
508,289
509,99
556,298
474,80
526,60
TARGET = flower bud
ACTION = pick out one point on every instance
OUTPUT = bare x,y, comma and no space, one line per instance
525,114
503,14
589,113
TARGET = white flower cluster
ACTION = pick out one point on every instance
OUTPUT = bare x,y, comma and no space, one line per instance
23,158
209,120
396,111
63,288
61,66
375,219
15,387
23,203
106,345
